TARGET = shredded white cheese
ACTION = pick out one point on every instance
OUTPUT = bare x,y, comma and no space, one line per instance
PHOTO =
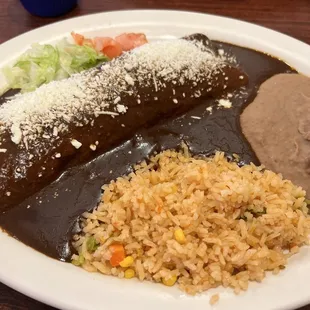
225,103
209,109
121,108
76,143
93,147
16,133
51,109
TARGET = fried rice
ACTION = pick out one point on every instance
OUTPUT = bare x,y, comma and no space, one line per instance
195,222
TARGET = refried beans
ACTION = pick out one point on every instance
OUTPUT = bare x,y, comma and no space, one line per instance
277,125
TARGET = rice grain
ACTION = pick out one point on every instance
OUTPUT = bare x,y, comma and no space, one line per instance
238,222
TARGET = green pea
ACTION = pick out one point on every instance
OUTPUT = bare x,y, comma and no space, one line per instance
78,262
91,244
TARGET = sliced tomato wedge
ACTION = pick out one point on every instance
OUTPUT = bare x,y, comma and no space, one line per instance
78,38
112,47
107,46
129,41
88,42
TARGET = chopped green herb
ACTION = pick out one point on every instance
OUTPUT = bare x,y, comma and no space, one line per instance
307,201
91,244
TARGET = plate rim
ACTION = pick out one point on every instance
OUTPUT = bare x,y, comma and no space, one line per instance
63,303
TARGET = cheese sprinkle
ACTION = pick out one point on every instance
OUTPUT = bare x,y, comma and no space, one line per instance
50,110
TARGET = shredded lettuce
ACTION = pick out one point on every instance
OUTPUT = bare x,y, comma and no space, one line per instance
45,63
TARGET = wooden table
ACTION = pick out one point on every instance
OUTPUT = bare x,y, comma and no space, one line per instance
288,16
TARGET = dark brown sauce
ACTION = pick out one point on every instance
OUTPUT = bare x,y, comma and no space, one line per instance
26,170
47,225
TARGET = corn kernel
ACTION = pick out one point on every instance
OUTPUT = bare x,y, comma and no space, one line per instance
129,273
179,236
126,262
170,281
174,189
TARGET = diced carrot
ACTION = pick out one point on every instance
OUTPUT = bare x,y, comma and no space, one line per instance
107,46
129,41
78,38
118,254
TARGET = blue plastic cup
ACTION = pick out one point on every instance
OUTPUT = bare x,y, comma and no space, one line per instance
48,8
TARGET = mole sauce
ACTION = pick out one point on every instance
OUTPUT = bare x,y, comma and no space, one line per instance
47,220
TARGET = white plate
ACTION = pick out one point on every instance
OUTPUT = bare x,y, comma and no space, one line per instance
67,287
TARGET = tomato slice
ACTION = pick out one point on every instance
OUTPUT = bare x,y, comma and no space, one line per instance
110,47
78,38
129,41
107,46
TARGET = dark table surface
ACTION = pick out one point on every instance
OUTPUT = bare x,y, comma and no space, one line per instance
288,16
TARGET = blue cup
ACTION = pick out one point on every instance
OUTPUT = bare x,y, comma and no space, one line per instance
48,8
